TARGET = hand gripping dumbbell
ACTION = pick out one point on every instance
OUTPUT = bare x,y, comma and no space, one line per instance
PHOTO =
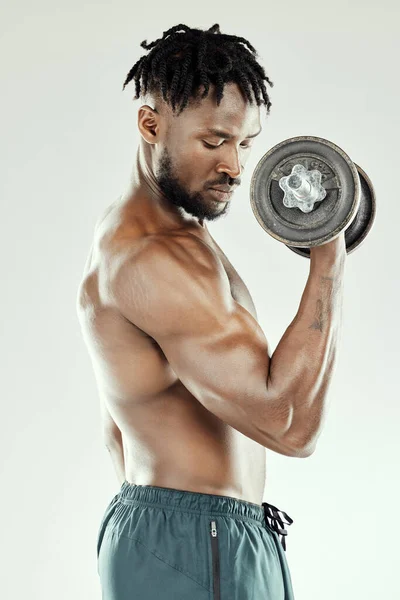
306,190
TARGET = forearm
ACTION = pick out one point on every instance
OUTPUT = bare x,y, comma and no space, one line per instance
116,451
302,365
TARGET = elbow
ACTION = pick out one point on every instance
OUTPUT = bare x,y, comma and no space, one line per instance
302,438
302,448
112,441
305,451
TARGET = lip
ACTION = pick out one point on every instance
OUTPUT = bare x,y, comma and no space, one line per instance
223,196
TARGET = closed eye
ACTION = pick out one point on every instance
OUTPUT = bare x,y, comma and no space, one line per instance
211,145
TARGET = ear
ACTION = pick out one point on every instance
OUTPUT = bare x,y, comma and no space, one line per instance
149,123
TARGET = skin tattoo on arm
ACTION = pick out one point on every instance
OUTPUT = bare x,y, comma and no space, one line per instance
319,316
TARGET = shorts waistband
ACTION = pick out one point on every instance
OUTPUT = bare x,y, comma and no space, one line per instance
206,503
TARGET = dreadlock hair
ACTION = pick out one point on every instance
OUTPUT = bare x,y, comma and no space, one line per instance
185,58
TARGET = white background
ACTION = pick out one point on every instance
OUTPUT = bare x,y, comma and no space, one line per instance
68,139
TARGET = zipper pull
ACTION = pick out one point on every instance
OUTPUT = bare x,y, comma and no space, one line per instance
214,532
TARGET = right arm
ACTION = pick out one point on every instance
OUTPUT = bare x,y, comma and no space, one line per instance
176,290
303,363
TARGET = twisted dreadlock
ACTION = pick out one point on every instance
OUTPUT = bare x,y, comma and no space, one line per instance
184,58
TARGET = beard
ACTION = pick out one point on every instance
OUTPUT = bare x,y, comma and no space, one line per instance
192,203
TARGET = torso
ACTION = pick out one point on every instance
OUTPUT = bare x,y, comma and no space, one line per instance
169,438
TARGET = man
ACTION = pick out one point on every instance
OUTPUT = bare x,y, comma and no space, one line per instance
190,396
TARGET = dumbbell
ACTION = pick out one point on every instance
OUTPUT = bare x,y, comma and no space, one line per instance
306,190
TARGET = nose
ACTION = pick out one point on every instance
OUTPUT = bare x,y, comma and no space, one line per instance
230,163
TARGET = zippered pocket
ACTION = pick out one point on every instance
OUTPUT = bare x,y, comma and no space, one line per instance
215,560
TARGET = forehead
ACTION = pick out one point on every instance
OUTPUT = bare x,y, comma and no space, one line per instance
235,114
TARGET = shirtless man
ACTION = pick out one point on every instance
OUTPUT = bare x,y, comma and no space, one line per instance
190,396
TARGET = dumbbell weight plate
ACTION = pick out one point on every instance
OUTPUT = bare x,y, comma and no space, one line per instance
358,229
330,216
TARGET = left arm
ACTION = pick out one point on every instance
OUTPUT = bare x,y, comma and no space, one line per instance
116,450
113,441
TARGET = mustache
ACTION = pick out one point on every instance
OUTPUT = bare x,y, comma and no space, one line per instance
231,183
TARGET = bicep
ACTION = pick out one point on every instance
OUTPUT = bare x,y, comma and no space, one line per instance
224,365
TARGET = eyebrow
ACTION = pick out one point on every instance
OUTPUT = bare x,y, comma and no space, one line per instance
228,136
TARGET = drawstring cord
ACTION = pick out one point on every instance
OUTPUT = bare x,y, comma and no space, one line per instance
272,513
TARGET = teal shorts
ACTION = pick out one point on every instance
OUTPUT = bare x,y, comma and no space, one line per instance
157,543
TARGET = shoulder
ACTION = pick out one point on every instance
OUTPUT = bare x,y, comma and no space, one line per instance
173,253
174,276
